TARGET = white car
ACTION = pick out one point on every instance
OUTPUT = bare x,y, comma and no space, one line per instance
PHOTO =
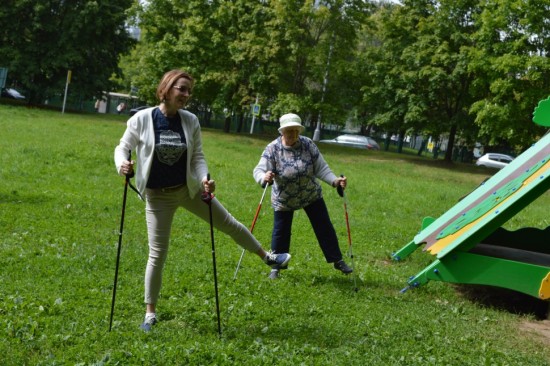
359,141
12,93
494,160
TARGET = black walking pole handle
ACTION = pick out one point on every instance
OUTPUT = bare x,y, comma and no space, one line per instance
264,183
207,197
339,188
130,175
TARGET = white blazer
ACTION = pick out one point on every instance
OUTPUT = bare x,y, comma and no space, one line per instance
139,137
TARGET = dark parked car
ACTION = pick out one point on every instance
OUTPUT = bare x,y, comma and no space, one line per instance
12,93
137,109
359,141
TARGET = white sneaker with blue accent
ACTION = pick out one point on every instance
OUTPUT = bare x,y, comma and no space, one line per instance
281,260
148,323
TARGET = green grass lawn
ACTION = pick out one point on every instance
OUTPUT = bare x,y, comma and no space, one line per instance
60,206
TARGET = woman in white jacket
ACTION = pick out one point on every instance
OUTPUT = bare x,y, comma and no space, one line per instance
171,172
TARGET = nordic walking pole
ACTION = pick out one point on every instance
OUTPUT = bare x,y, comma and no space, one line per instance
207,198
340,191
264,186
126,184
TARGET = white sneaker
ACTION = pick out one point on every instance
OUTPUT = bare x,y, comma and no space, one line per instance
148,323
281,260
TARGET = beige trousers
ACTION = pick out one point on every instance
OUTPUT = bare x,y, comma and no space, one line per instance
161,205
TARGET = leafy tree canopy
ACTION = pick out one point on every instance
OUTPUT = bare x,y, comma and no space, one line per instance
279,51
41,40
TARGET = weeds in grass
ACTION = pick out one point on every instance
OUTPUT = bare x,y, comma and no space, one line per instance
60,203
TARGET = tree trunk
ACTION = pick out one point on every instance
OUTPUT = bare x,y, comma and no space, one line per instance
227,124
400,138
450,145
241,121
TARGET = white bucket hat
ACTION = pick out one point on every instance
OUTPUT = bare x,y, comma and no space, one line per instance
290,120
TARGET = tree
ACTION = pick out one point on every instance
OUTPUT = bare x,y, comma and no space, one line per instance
419,71
240,49
318,42
221,43
41,40
469,68
444,79
513,69
384,93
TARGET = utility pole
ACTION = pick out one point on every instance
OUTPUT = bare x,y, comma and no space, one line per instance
69,72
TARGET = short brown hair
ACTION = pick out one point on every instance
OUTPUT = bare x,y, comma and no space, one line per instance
168,81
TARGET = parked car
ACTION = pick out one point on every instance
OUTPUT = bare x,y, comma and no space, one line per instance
362,142
137,109
12,93
494,160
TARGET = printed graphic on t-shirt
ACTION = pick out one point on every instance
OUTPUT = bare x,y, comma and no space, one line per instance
170,148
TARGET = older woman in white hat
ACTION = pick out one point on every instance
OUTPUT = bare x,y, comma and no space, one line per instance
294,164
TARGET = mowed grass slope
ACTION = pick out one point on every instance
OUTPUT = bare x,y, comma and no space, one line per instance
60,207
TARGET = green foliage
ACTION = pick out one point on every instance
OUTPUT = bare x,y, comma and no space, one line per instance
425,86
41,41
466,67
240,50
61,203
289,103
469,70
511,69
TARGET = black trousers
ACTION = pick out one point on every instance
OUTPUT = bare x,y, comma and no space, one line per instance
320,222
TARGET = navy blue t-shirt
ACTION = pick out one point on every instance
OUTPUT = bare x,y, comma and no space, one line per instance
170,156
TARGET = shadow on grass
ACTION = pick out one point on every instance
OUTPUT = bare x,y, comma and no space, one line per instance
506,300
16,197
343,284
